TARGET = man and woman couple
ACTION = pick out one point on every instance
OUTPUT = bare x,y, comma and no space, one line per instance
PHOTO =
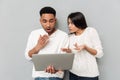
84,41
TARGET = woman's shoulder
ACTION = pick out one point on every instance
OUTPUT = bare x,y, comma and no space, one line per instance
90,29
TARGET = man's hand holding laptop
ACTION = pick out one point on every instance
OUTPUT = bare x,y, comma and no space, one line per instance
51,69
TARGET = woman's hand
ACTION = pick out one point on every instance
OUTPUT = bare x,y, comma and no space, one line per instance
79,47
67,50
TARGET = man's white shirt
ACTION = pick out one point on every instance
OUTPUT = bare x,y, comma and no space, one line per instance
57,40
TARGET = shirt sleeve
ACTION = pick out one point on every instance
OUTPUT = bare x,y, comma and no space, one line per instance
96,43
29,46
64,43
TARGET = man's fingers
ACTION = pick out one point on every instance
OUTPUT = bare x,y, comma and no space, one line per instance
52,69
47,69
45,37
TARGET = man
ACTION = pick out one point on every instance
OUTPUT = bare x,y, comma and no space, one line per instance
46,40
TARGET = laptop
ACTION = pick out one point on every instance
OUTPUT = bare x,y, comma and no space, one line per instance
61,61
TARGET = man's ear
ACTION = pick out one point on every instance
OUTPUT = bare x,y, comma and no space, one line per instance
55,19
40,20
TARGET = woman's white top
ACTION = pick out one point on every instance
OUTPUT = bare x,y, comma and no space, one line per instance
85,64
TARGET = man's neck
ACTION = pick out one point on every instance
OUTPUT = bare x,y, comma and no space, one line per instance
52,32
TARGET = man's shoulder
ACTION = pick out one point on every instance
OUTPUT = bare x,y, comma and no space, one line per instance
38,31
61,32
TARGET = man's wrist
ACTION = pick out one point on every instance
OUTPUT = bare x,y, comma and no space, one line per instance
36,49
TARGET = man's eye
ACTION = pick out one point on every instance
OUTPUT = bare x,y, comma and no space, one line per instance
44,21
51,21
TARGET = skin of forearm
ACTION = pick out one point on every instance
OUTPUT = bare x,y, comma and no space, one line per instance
35,50
91,50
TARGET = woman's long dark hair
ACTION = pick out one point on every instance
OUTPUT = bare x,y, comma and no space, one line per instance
78,20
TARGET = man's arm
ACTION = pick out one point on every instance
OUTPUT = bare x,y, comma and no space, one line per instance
43,40
35,50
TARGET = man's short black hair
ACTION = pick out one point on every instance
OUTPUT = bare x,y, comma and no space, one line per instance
48,10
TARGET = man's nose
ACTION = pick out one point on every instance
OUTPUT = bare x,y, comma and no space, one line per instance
48,23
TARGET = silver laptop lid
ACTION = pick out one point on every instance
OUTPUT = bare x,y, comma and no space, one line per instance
59,61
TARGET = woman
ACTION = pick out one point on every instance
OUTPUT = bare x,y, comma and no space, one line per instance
85,43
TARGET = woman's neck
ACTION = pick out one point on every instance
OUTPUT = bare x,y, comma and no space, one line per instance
79,32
